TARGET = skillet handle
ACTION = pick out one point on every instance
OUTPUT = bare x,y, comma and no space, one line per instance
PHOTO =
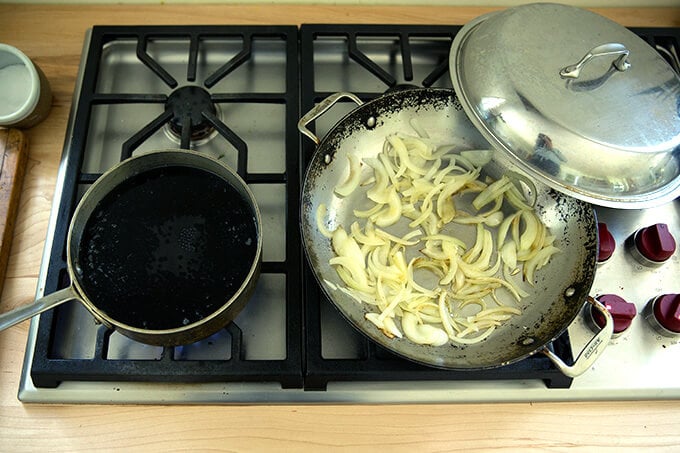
25,312
591,351
320,109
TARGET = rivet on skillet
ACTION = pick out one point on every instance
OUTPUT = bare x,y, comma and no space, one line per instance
371,122
570,292
327,159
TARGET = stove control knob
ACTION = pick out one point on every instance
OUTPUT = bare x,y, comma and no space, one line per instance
653,245
606,243
622,312
663,312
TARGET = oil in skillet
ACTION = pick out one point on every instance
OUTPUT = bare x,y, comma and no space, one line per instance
167,247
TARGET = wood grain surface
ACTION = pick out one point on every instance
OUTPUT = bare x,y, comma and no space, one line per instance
53,37
13,155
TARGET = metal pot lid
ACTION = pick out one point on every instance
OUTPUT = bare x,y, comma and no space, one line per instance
576,100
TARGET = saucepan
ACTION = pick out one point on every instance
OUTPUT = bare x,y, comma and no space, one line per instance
165,247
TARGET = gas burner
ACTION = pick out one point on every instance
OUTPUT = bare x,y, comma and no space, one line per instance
189,105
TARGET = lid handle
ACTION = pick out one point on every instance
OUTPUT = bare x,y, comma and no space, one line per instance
604,50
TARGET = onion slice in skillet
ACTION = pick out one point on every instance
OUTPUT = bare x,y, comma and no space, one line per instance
353,178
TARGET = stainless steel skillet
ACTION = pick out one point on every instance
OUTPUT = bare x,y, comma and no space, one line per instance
561,289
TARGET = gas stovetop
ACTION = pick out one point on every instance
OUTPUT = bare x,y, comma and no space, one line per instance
290,344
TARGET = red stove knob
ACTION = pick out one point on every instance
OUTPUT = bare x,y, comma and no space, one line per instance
622,312
655,244
664,314
606,243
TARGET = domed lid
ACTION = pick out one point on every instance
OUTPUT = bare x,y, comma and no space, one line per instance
576,100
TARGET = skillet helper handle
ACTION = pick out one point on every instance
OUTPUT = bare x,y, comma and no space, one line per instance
320,109
25,312
610,49
591,351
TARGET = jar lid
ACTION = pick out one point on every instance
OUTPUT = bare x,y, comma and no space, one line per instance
19,86
578,101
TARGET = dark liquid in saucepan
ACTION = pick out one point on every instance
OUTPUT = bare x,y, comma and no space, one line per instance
167,247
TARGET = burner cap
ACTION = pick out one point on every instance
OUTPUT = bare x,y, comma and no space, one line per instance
190,102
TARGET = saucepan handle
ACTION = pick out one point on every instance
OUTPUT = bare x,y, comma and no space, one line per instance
319,109
591,351
25,312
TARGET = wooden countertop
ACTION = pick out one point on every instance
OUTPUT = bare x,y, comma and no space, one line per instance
53,37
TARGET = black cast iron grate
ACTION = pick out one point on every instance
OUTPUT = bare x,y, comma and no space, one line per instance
48,370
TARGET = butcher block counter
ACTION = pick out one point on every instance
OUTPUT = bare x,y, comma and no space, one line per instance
53,36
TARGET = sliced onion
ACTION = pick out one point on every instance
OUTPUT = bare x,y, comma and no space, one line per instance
415,179
515,197
451,252
352,181
392,213
417,147
541,257
477,339
445,238
476,249
439,177
509,254
382,270
434,251
470,271
391,327
368,212
436,164
490,312
404,158
426,207
445,316
436,267
517,292
397,240
459,279
502,282
358,296
482,261
478,157
413,284
346,246
347,277
493,191
422,333
494,219
366,238
356,270
530,230
330,284
321,212
379,193
504,228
